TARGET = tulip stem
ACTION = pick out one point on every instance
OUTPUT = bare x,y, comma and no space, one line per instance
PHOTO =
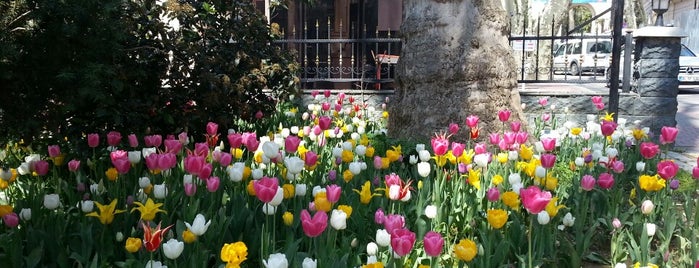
531,223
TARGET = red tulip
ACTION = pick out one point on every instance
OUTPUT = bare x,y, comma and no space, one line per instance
402,241
152,238
11,220
266,188
534,200
315,226
93,140
605,181
41,167
548,160
433,243
608,128
668,135
649,149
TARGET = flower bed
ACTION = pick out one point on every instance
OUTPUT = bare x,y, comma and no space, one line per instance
326,189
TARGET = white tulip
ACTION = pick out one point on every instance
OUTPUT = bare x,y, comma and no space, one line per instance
144,182
423,169
235,171
481,160
119,236
355,168
514,178
160,191
540,172
372,249
87,206
155,264
134,157
383,238
424,155
270,149
294,164
276,260
25,214
579,161
612,152
52,201
301,189
431,211
543,217
338,219
199,225
419,147
360,150
413,159
347,146
568,219
268,209
309,263
145,152
278,197
187,178
257,174
650,229
640,166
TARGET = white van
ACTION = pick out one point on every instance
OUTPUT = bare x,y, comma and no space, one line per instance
586,55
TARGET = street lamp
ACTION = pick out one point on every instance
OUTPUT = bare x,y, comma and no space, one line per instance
660,6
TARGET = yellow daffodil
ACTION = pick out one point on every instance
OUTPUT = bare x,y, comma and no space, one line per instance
440,160
288,218
474,178
497,218
394,154
552,208
651,183
302,151
111,174
364,140
526,152
188,237
148,210
466,250
133,244
106,212
346,209
289,190
511,199
373,265
497,179
365,194
237,153
234,254
467,157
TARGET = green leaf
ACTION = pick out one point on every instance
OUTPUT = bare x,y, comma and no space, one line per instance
33,259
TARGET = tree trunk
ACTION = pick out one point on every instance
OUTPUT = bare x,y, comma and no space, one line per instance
455,61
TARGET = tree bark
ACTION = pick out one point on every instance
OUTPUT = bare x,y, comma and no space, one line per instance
455,61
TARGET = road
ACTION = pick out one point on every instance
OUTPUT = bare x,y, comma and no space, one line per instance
688,119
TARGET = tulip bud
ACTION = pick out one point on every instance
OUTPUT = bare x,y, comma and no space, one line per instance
647,207
543,217
372,249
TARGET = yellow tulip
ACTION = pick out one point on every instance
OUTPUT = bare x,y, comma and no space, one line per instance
497,218
511,199
552,208
651,183
133,244
234,254
288,218
346,209
106,212
497,179
321,202
111,174
188,237
148,210
466,250
5,209
365,193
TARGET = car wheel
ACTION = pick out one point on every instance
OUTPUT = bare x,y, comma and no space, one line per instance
574,70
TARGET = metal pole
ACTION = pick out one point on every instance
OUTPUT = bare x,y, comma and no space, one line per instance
618,7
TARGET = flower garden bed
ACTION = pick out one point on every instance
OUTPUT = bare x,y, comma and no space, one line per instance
326,188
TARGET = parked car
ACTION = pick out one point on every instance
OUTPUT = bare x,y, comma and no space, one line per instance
585,55
689,67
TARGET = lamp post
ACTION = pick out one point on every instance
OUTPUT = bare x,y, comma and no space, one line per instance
660,6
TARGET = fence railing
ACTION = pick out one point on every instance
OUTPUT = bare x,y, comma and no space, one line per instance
340,60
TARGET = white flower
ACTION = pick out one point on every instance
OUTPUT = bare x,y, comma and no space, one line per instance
355,168
301,189
347,146
647,207
317,189
119,236
650,229
360,150
257,174
568,219
134,157
423,169
620,265
294,130
371,259
413,159
640,166
309,263
596,154
278,197
481,160
52,201
543,217
285,132
173,248
431,211
235,171
160,191
199,225
23,169
155,264
539,147
187,178
25,214
87,206
337,152
579,161
276,260
338,219
419,147
95,189
603,160
514,178
612,152
517,186
424,155
268,209
270,150
144,182
355,136
294,164
512,155
540,172
147,151
372,248
383,238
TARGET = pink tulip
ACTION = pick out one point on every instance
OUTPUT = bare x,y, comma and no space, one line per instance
493,194
205,171
291,144
54,151
133,140
113,138
225,159
93,140
522,137
193,164
190,189
41,167
494,138
316,130
212,184
667,169
266,188
695,173
326,93
11,220
543,101
587,183
340,97
515,126
324,122
599,106
457,149
259,115
211,129
314,93
534,200
201,149
649,149
235,140
472,121
440,145
480,148
152,161
548,160
546,117
433,243
392,179
605,181
618,166
596,99
183,138
311,159
173,146
402,241
504,115
549,144
608,128
74,165
153,140
509,137
379,216
338,107
668,135
453,128
122,165
315,226
333,193
393,222
167,161
378,164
